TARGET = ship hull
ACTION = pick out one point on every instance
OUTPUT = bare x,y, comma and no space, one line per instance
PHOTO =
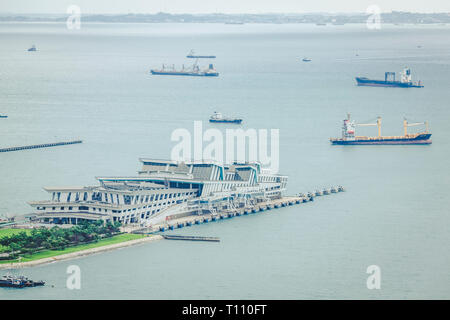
420,139
381,83
201,57
191,74
237,121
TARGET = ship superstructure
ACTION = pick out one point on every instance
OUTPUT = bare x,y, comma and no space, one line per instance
349,136
161,189
389,80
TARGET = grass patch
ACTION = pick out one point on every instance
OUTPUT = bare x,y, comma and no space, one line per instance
9,231
103,242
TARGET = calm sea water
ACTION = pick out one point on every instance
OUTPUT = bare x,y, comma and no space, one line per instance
94,84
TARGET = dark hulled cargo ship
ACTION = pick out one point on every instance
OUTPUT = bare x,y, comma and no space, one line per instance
192,55
389,80
349,137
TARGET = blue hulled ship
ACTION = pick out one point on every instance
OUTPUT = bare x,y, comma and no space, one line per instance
389,81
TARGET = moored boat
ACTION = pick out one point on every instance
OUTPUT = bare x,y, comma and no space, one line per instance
11,281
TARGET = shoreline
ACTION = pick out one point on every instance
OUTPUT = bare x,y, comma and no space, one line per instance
81,253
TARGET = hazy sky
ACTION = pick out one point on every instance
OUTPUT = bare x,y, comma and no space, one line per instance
225,6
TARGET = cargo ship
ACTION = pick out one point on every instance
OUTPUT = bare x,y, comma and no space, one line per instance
349,137
219,118
194,71
389,81
192,55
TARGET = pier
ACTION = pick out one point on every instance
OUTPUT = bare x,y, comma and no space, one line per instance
190,238
36,146
195,219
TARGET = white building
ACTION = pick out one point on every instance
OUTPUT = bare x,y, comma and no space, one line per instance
162,188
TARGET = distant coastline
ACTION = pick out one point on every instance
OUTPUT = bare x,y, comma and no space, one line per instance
395,17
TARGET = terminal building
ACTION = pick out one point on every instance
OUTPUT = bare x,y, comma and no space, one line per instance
161,190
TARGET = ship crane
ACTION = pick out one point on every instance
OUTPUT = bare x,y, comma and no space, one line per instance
406,125
378,124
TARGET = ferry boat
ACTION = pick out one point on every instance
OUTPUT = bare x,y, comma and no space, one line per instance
33,48
389,80
18,282
162,189
194,71
219,118
192,55
349,137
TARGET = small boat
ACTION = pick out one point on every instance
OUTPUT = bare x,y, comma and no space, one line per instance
33,48
306,60
11,281
219,118
192,55
3,116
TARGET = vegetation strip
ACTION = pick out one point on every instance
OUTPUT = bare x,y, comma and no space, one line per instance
82,252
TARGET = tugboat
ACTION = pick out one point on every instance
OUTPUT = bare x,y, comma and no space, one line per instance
11,281
194,71
219,118
389,81
192,55
349,138
33,48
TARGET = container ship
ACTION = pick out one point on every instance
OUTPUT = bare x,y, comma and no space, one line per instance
349,137
194,71
192,55
389,81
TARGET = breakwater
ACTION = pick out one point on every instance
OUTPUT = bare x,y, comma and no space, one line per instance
36,146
